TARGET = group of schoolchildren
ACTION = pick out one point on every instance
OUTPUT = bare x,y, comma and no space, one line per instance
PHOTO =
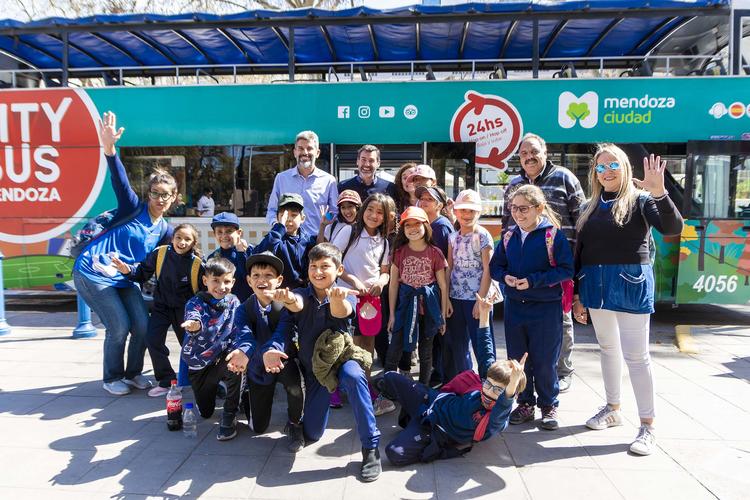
307,315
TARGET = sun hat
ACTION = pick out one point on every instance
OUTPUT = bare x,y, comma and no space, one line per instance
468,199
414,213
425,171
349,195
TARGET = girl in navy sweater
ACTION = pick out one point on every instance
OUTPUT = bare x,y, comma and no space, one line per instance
532,260
179,271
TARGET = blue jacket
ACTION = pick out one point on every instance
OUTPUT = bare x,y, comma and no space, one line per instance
217,335
292,250
241,288
459,415
131,241
262,338
407,314
173,288
530,260
441,229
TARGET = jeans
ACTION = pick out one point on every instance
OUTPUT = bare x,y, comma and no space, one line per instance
622,334
122,311
565,362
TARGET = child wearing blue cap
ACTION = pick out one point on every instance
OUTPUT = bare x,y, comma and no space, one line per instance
234,248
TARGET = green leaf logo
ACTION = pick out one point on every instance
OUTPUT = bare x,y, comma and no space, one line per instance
578,110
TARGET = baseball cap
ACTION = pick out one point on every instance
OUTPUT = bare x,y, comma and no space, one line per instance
266,258
433,192
291,199
469,199
414,213
225,219
422,171
369,315
349,195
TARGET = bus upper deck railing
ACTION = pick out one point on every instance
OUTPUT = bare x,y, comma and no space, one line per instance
596,67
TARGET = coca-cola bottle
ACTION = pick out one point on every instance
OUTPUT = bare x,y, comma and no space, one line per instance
174,407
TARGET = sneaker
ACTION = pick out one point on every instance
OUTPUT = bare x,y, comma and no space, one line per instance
116,388
644,442
381,405
227,427
296,437
158,391
371,467
335,400
139,382
549,418
522,413
564,383
606,417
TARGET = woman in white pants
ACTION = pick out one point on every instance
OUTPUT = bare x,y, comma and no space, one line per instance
615,278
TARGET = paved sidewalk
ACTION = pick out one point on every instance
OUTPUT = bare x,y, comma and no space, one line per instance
61,435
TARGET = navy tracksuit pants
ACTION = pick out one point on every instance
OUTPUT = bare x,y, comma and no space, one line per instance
462,330
162,317
407,447
536,328
352,381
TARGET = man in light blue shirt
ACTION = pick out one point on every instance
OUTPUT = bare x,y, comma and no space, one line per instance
318,188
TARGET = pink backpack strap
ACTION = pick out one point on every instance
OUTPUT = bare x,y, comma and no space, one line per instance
506,239
549,240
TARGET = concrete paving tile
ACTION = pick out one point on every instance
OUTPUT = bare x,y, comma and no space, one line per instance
51,493
457,479
247,443
22,404
79,408
135,406
335,443
721,466
494,451
714,412
561,484
413,482
643,484
547,448
29,467
215,476
611,452
44,385
156,438
297,477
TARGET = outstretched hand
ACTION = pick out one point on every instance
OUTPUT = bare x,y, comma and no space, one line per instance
109,134
653,176
191,325
285,296
120,265
339,293
237,361
273,360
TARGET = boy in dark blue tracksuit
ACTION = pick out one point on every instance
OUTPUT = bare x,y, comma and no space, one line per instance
318,307
288,241
533,301
234,248
269,325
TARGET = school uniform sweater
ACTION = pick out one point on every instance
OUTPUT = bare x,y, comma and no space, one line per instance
173,287
241,289
292,250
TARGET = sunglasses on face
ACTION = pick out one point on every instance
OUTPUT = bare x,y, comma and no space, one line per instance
602,167
521,208
492,389
156,195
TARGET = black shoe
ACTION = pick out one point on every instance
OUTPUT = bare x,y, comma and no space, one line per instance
227,427
371,467
296,437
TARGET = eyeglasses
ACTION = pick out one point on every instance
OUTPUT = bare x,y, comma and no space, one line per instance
156,195
491,388
521,208
602,167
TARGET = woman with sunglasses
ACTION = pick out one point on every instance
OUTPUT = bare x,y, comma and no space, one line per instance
615,278
135,230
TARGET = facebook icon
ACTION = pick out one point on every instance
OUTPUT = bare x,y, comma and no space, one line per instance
343,112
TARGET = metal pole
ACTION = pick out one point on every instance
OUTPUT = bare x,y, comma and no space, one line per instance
85,328
291,54
535,49
4,327
65,62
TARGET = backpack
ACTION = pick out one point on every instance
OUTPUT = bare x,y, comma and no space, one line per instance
161,253
549,242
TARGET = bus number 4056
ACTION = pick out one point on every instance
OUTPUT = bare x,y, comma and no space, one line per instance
719,284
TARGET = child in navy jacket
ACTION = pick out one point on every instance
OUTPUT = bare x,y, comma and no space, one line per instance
215,350
179,271
288,241
446,424
234,248
269,325
532,260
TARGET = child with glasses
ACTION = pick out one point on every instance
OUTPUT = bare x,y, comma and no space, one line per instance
532,260
468,409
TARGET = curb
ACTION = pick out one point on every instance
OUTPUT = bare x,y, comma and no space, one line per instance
684,339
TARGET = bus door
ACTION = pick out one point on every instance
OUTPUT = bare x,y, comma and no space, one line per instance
714,254
453,163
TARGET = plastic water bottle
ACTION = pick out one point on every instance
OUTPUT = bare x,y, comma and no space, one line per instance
189,422
174,407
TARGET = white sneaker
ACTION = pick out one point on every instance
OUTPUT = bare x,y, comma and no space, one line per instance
645,441
116,388
139,382
382,405
158,391
606,417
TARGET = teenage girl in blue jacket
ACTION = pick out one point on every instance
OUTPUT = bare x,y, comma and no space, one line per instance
532,260
137,229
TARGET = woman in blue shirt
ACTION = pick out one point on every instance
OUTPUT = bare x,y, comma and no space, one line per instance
136,230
